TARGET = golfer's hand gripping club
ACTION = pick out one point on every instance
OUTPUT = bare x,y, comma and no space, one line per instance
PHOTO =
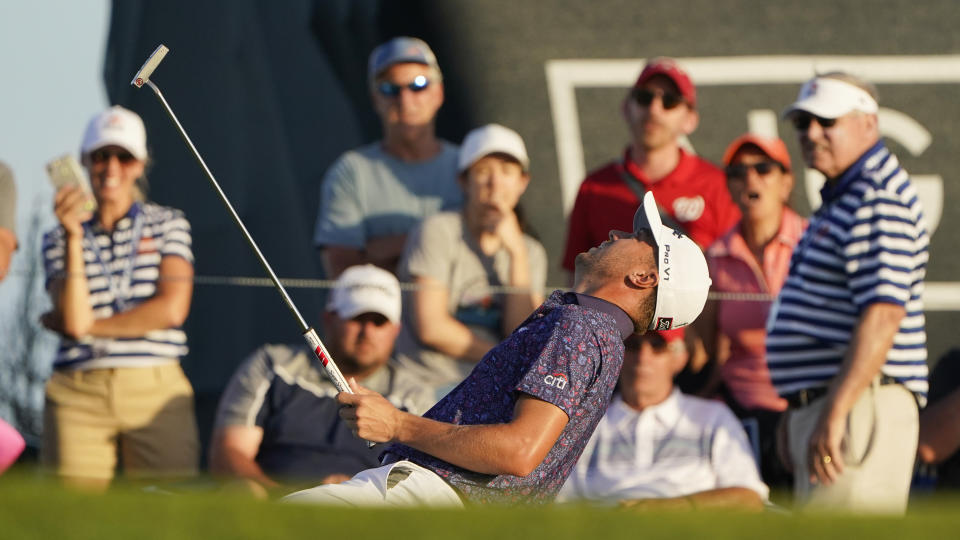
309,334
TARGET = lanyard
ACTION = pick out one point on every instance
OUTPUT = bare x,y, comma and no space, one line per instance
119,286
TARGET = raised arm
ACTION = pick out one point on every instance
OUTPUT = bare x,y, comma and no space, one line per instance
516,447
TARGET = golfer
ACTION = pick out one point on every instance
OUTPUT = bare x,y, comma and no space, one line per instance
514,428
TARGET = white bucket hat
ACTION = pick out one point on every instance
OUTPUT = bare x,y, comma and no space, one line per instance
684,278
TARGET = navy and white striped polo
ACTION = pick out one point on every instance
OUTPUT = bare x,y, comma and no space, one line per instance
162,231
868,243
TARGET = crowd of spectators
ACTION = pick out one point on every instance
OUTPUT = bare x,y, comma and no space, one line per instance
806,370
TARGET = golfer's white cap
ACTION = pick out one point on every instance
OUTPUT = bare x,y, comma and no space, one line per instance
366,289
831,98
116,126
492,139
684,278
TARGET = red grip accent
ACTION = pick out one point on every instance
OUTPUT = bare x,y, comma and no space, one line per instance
321,356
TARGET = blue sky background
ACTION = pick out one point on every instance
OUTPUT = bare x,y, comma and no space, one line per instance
51,62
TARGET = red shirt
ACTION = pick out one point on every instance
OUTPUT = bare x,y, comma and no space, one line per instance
694,195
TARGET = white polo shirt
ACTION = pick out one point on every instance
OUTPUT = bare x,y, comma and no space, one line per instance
681,446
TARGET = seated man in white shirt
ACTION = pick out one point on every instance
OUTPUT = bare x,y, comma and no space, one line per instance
659,448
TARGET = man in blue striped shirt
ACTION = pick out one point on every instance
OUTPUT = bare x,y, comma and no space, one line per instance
846,343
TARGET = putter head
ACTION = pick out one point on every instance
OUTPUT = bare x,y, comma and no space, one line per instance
151,64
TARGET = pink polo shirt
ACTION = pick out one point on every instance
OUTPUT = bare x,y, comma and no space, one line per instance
734,269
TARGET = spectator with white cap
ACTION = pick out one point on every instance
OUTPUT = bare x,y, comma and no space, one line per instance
454,316
846,344
277,425
373,195
121,281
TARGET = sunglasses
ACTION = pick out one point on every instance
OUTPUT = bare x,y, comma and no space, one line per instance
391,90
740,171
644,97
103,155
657,342
802,121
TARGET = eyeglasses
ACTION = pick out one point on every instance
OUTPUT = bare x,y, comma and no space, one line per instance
802,121
740,171
391,90
103,155
644,97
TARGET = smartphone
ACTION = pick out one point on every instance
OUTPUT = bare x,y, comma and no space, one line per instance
66,171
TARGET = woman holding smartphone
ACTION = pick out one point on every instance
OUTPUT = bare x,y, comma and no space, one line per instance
120,278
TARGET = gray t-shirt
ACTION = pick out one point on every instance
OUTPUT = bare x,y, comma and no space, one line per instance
8,200
441,249
368,193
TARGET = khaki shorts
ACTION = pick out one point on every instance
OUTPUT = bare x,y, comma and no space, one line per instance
140,418
400,484
880,447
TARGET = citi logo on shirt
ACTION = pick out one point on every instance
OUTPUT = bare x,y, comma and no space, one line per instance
558,380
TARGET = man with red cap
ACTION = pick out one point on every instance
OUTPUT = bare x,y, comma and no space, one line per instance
691,192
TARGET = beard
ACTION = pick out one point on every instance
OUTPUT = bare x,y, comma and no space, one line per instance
644,312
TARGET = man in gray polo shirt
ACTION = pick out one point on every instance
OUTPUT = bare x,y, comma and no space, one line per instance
277,425
373,195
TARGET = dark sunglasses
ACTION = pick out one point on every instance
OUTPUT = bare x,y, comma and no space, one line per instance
103,155
644,97
657,342
389,89
740,171
802,121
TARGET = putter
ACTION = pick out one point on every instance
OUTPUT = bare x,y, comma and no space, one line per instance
143,78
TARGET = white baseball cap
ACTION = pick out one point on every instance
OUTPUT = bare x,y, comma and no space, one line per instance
366,289
684,278
492,139
116,126
831,98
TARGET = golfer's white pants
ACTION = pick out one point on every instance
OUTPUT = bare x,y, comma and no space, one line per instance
879,449
403,483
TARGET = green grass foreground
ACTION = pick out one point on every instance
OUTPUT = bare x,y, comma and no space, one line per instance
34,507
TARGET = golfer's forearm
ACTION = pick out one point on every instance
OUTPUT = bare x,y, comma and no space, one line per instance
486,449
872,340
